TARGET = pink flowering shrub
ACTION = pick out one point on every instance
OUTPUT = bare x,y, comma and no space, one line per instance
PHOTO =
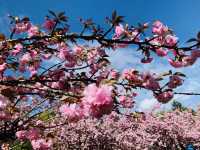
168,130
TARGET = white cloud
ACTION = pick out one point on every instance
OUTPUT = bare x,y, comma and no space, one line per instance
147,104
130,58
124,58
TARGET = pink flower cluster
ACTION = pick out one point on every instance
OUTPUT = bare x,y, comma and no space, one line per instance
17,49
164,97
49,24
150,82
65,54
96,102
31,134
34,136
21,27
132,75
119,30
33,31
71,112
126,102
144,79
3,67
42,144
159,28
187,60
163,36
175,81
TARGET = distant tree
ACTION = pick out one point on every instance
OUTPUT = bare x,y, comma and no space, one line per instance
178,105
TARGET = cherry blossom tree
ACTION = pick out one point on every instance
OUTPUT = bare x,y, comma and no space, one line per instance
56,82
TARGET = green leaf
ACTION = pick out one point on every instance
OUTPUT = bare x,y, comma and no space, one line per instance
46,115
114,15
53,13
119,19
62,17
159,79
180,74
26,19
103,61
26,145
61,14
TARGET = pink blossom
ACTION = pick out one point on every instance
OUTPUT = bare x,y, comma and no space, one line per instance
132,75
3,67
64,53
159,28
5,116
17,49
135,35
176,64
21,135
134,94
139,131
151,84
55,85
49,24
114,74
119,30
33,71
91,56
33,31
188,60
175,81
25,58
78,50
33,134
127,73
39,123
126,102
149,81
33,53
42,144
171,40
161,52
71,112
98,100
164,97
22,27
71,60
195,53
46,56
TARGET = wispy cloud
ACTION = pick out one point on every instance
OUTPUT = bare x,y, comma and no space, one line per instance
129,58
147,104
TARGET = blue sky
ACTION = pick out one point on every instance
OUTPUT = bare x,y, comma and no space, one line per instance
183,16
